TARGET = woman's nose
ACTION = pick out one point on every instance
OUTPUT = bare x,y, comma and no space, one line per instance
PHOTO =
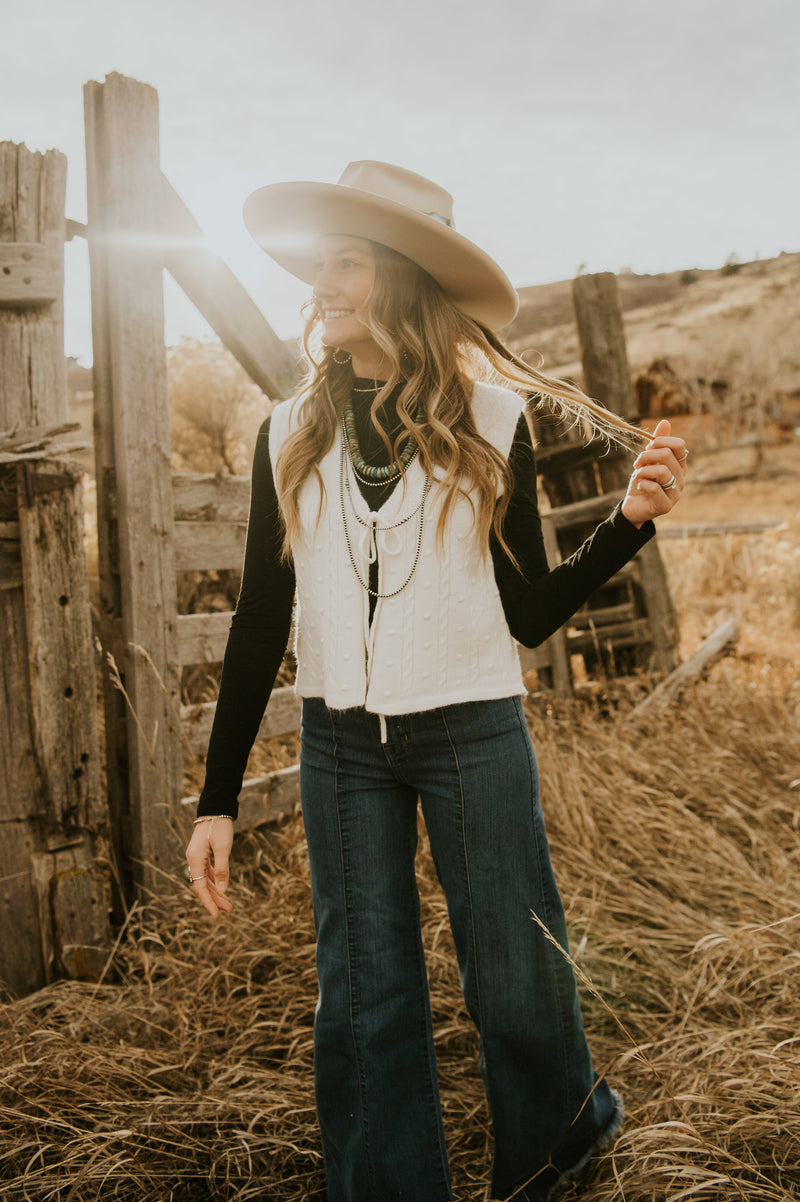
323,285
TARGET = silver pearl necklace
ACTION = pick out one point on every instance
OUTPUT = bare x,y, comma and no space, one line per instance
344,488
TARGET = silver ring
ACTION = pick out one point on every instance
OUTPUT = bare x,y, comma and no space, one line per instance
671,483
197,878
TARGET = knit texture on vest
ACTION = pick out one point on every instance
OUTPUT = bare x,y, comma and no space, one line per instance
443,638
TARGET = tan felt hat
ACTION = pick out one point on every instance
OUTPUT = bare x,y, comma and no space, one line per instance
386,204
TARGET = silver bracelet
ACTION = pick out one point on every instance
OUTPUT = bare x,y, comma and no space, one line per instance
211,817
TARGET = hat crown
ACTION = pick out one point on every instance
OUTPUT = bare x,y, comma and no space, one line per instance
400,186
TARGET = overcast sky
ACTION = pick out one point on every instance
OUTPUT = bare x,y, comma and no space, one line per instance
643,134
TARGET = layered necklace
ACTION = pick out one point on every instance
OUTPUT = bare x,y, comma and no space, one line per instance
372,527
369,474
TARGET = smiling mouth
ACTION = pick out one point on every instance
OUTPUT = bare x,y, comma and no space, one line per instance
333,313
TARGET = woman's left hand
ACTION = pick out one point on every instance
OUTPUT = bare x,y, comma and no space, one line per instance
659,475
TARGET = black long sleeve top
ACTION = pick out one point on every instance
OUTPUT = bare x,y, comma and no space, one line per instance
536,599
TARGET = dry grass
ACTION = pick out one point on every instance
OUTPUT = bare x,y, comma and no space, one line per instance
186,1074
678,850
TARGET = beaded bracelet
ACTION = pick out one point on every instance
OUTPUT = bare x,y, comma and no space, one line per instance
211,817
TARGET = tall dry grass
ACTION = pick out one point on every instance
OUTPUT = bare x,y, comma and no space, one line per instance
187,1073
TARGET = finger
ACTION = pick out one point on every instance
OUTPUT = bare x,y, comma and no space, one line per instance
197,867
670,446
662,435
646,483
201,890
220,838
211,899
662,450
220,873
660,465
656,497
668,458
652,495
661,474
219,899
215,885
666,455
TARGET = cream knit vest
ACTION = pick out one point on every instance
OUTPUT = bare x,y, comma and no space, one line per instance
443,638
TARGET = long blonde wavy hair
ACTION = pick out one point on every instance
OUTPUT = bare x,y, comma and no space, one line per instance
436,353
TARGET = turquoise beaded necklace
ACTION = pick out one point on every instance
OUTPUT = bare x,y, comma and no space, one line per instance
367,471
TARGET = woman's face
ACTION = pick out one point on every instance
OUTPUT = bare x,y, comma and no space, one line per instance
345,272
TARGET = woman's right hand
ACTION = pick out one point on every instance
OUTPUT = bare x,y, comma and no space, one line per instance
208,856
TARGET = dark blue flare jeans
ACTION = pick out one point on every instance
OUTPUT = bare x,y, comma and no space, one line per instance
473,769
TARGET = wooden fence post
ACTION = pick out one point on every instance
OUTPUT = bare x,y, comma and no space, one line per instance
54,890
606,374
607,377
132,451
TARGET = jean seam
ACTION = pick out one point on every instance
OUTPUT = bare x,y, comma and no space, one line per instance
351,959
424,995
465,861
547,918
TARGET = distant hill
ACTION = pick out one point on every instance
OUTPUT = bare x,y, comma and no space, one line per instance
738,324
543,306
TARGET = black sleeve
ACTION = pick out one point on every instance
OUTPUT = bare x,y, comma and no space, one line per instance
256,643
536,599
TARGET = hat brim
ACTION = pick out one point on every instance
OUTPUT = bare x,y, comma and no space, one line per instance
288,219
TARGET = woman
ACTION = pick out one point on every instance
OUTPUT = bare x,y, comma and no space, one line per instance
397,494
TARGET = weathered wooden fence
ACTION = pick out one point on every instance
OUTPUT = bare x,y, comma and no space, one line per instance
152,526
629,623
54,885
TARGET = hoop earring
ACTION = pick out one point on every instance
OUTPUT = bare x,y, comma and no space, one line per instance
341,362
